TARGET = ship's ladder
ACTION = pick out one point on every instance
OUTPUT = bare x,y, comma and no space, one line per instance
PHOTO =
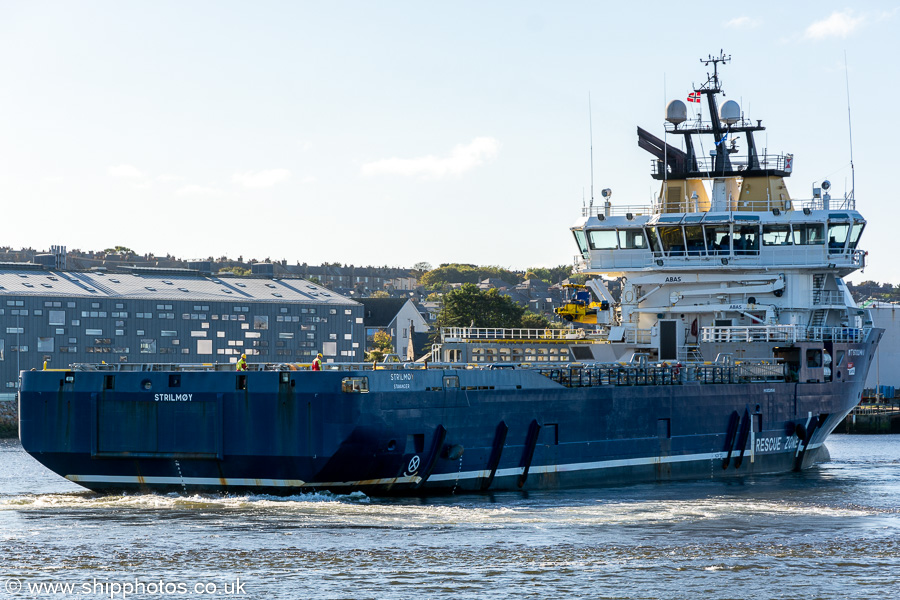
818,287
690,353
818,317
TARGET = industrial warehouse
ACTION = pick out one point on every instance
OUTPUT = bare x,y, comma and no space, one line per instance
55,317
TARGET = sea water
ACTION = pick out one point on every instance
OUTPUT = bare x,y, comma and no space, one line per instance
830,532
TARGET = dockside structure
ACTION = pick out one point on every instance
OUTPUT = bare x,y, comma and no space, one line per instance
167,316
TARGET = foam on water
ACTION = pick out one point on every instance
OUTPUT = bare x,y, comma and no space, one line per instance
356,506
92,500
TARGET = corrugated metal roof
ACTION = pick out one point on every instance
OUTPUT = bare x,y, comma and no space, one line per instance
164,287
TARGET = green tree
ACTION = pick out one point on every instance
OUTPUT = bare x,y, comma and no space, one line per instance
382,344
550,275
239,271
532,320
379,294
119,250
470,306
382,340
463,273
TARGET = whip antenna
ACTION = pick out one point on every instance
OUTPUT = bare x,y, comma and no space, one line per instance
850,129
591,132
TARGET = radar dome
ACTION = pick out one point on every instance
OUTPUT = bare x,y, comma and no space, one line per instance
676,112
730,112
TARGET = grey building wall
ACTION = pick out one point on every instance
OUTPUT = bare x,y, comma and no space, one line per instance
118,327
885,368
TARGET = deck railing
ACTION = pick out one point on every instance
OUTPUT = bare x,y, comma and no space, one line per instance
619,210
827,297
691,206
465,334
638,336
782,333
627,374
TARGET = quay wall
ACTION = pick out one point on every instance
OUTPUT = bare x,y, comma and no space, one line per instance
871,420
9,416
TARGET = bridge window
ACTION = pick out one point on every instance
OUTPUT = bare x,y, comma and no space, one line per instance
806,234
746,240
718,239
580,240
693,235
776,235
837,236
855,233
602,239
355,385
632,239
654,240
672,240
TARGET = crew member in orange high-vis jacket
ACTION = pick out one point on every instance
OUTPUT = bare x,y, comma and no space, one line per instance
317,362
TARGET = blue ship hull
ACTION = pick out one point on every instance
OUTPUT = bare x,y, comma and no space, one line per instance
413,432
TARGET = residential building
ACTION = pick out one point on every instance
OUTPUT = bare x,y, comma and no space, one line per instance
399,317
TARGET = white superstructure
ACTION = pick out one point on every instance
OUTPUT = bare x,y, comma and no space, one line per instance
724,261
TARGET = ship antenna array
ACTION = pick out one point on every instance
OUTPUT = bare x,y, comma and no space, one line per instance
849,128
715,60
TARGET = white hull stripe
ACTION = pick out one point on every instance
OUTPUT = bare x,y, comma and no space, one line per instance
587,466
297,483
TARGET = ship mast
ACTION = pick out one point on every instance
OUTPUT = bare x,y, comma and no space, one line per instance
710,89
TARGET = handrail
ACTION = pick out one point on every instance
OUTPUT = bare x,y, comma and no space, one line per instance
688,206
618,210
827,297
767,162
463,334
782,333
752,364
630,374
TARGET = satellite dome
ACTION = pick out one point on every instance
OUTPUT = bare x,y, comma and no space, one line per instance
730,112
676,112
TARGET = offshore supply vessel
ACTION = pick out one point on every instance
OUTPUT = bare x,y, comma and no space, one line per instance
731,346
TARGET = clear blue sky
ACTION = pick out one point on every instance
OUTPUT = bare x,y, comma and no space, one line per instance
389,133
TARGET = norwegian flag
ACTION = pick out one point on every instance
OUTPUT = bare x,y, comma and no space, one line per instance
693,97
